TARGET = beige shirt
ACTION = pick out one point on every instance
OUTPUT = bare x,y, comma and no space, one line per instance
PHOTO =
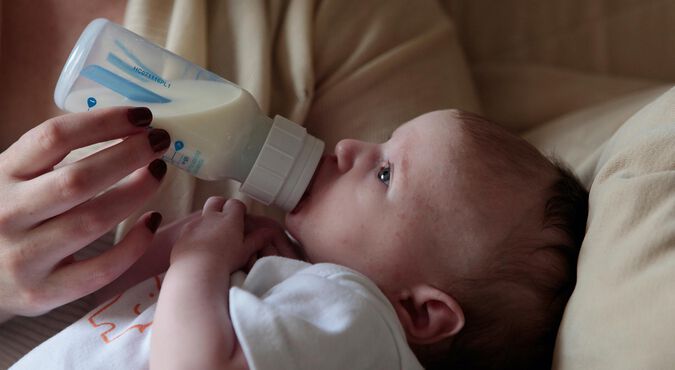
34,46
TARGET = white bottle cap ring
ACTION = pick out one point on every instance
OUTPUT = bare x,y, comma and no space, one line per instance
285,165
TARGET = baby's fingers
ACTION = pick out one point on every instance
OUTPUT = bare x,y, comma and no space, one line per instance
213,204
282,244
234,212
259,240
265,242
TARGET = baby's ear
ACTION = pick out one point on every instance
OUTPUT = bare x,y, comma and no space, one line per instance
428,314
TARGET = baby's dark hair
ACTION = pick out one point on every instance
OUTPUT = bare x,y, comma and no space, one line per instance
513,309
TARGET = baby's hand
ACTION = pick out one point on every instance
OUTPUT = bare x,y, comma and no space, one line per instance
215,242
278,244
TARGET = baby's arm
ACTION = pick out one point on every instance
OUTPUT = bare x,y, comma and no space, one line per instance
192,327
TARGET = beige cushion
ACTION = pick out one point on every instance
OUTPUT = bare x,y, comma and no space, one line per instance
520,95
390,62
578,138
622,312
615,38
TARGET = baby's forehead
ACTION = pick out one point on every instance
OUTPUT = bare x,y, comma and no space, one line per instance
457,129
446,139
454,143
493,145
459,152
433,135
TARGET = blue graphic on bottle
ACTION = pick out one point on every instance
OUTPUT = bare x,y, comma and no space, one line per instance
183,156
91,101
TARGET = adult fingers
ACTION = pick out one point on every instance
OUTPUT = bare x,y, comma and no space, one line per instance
93,273
64,188
39,149
154,261
88,221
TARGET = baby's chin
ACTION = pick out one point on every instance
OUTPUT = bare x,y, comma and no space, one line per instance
295,231
292,226
297,220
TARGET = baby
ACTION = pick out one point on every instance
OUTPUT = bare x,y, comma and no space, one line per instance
451,245
468,231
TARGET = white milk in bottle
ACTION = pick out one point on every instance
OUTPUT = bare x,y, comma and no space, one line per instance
217,129
210,123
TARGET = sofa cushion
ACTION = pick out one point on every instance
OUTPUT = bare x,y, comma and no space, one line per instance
621,314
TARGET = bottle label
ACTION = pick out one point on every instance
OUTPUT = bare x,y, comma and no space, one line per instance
184,157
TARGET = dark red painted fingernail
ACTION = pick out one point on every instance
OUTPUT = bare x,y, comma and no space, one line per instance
157,168
139,116
159,139
153,221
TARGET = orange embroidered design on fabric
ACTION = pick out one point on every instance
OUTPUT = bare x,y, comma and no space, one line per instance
98,318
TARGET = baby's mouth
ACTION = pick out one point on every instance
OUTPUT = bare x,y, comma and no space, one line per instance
308,191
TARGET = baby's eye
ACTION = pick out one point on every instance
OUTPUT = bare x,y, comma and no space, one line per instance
384,173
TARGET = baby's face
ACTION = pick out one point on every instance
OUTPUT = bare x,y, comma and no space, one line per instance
375,207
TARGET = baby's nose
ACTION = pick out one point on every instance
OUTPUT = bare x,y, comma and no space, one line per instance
346,151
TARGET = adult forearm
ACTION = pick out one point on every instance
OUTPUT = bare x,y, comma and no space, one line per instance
192,327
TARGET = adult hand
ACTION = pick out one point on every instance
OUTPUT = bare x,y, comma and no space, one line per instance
48,214
154,261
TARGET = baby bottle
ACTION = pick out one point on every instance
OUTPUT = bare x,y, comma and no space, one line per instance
216,127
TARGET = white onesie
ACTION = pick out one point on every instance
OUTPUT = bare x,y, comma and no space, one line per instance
287,314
